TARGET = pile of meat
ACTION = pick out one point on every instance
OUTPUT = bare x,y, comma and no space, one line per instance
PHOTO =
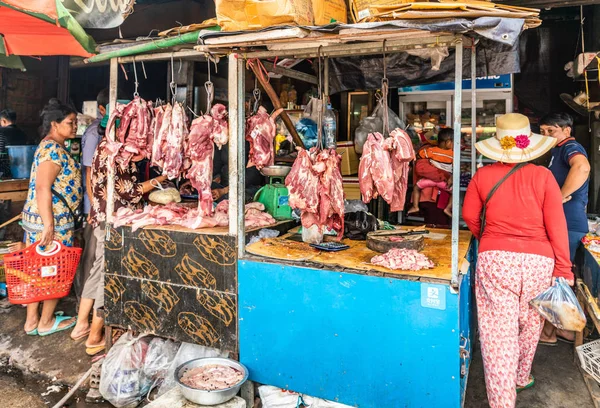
260,132
173,214
316,189
384,167
212,377
206,131
403,259
134,135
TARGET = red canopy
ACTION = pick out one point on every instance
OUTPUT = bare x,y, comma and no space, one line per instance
26,34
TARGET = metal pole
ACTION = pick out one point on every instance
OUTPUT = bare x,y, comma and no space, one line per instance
458,69
110,194
473,109
237,162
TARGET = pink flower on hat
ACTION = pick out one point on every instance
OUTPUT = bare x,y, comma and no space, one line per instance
522,141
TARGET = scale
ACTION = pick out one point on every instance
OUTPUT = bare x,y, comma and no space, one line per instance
275,195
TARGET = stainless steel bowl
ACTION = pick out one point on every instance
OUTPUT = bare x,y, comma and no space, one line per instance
276,171
214,397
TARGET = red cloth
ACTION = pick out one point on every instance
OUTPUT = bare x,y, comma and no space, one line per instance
525,215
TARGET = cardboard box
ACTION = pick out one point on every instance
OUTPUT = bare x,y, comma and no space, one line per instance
329,11
237,15
349,158
362,10
352,189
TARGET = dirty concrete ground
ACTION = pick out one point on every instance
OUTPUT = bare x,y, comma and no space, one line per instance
29,365
559,383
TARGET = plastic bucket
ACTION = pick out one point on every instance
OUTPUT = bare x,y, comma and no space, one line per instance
21,159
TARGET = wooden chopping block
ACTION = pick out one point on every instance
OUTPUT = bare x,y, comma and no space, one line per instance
383,243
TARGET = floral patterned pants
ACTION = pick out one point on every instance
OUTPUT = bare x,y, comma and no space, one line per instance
509,328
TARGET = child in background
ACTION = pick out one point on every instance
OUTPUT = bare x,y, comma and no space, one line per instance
433,168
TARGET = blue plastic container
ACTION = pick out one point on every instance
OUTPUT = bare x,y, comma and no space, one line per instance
21,159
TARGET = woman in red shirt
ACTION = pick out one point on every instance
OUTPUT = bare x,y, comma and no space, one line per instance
523,246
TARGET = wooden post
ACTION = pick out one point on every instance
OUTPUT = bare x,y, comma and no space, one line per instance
277,105
237,163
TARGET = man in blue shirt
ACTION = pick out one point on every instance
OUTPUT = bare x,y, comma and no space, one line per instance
89,141
571,168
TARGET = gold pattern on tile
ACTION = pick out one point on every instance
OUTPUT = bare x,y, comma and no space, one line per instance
138,265
113,288
198,328
158,243
115,242
142,316
194,274
215,249
217,304
162,294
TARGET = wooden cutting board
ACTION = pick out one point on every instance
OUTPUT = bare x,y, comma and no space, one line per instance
378,242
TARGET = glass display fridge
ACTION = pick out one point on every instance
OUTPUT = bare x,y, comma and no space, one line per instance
428,107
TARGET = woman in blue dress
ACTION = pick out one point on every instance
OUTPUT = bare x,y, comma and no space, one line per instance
45,216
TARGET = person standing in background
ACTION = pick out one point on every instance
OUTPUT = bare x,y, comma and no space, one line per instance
89,142
10,134
571,169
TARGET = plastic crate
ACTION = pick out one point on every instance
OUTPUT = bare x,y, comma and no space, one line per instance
589,356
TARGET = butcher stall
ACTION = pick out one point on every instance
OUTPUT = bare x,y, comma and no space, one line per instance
336,318
383,320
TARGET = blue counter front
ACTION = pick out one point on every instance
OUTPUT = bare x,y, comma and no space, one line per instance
362,340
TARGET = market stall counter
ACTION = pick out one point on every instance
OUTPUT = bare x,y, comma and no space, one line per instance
174,282
331,324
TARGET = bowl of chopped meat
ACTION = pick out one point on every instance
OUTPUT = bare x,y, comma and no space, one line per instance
210,381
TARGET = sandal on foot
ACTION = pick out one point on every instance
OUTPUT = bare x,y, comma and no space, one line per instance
92,351
530,384
35,332
57,321
81,336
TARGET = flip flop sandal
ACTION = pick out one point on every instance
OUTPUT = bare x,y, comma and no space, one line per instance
92,351
35,332
530,384
81,336
57,321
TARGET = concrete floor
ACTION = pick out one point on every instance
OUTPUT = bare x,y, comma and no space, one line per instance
559,383
57,360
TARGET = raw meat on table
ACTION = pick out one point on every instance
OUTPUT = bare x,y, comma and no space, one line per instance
260,132
403,259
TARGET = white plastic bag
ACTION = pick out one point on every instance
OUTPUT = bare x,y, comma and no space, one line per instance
122,382
273,397
160,355
560,307
263,233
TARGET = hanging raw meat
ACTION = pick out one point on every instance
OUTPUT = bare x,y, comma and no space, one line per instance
316,188
375,174
260,132
160,138
172,152
133,133
402,153
205,131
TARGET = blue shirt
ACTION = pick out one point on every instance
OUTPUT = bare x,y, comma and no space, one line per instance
575,209
89,142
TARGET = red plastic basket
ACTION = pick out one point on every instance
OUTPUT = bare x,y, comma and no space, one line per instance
34,276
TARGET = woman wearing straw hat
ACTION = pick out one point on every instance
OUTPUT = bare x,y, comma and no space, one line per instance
515,210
